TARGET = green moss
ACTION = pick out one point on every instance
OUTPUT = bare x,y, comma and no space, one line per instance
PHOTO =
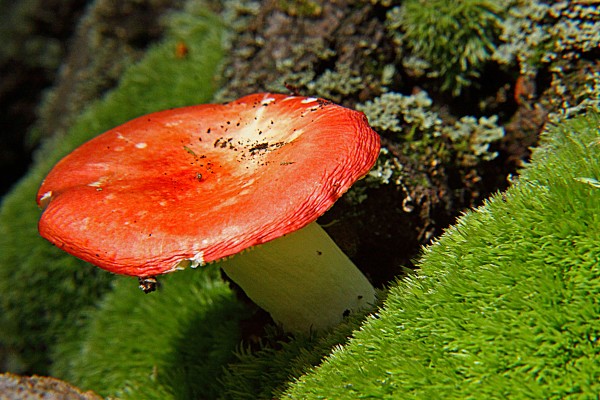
267,372
183,342
41,286
170,344
43,290
453,38
505,304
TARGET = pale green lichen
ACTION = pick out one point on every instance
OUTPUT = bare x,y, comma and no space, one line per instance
387,170
292,79
392,111
415,66
585,96
472,137
237,14
303,8
387,75
298,70
413,121
333,85
542,32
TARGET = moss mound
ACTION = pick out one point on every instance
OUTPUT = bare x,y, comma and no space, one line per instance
171,344
505,304
43,289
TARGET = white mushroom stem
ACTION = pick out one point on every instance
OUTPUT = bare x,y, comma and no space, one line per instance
302,279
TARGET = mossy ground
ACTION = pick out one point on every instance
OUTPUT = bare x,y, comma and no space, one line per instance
42,288
172,345
504,303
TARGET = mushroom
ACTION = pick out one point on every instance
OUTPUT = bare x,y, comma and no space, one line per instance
241,182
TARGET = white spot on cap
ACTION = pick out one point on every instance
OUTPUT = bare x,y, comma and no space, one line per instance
99,182
45,199
197,260
85,223
46,196
102,166
267,101
141,145
194,262
309,100
173,123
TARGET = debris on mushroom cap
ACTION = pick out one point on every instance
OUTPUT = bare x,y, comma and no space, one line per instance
192,185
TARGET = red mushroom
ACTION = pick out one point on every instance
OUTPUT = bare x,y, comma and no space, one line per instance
192,185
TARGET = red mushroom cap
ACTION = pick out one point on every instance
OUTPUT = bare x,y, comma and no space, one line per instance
203,182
